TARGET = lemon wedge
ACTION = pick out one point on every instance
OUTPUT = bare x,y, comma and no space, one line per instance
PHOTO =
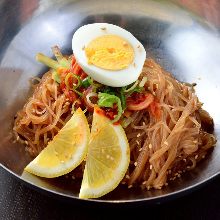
66,151
107,159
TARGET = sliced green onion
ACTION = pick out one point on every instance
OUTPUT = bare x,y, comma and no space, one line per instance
47,61
86,82
67,80
123,100
94,84
90,80
109,90
126,121
136,89
107,100
56,76
79,81
132,87
79,93
64,62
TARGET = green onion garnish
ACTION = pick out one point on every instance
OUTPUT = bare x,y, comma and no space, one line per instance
123,99
107,100
47,61
56,76
86,82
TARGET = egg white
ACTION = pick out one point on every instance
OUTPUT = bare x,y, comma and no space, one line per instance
85,34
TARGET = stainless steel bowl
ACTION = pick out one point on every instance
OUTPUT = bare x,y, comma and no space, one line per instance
186,44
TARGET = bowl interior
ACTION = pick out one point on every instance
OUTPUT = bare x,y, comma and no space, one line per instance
178,40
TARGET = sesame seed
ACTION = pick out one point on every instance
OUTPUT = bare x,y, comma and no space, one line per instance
130,186
165,142
169,171
143,123
26,142
17,138
188,167
123,183
151,167
150,146
127,177
135,163
166,184
203,156
195,142
148,188
137,142
184,159
73,177
179,175
138,135
144,182
140,149
196,157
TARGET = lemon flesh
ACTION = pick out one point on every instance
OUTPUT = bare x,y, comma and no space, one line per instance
66,151
107,160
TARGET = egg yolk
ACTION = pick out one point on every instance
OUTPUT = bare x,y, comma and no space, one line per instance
110,52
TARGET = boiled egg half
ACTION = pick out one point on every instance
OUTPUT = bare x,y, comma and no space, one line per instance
109,54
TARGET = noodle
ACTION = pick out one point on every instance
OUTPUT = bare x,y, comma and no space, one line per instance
161,147
174,137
